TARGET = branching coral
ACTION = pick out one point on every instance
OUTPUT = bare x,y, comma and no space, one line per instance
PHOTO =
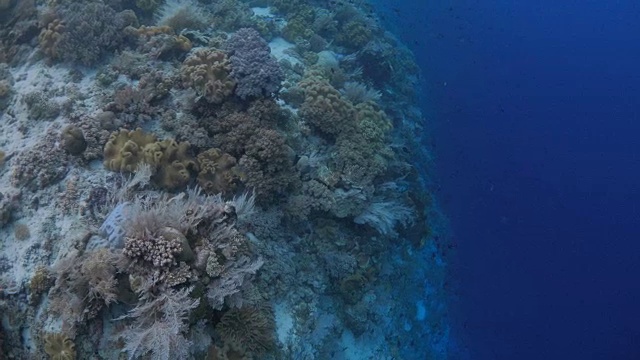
42,165
158,249
208,73
254,70
159,325
219,172
85,32
182,14
84,285
325,108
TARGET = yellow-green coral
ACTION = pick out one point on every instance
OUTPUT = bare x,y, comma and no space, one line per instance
219,172
124,150
373,124
207,72
59,347
325,108
355,34
170,161
254,328
50,37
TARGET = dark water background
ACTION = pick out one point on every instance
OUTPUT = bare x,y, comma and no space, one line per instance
535,107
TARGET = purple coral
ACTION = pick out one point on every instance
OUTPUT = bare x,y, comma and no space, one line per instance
255,71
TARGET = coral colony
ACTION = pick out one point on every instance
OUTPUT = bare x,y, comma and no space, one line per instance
219,179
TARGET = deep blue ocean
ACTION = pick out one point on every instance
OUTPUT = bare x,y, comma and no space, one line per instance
535,115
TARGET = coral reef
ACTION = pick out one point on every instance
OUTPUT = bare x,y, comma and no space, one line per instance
307,203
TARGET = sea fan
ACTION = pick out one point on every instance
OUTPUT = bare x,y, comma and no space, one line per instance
182,14
358,93
385,215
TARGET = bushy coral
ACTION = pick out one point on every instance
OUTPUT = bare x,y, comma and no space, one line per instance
90,30
41,165
325,108
84,285
40,106
254,70
182,14
159,325
219,172
253,328
355,34
208,73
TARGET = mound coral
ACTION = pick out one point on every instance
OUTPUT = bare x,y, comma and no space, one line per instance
208,73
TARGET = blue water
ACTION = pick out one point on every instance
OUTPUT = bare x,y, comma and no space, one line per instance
535,107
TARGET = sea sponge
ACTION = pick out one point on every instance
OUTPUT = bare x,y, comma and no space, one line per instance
219,172
59,347
208,73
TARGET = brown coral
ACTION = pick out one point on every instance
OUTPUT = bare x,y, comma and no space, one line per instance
218,172
124,150
170,160
59,347
254,328
50,37
207,72
325,108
